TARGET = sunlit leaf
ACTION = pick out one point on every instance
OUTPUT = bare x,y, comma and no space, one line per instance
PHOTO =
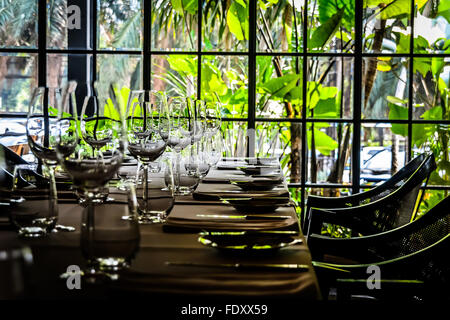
325,32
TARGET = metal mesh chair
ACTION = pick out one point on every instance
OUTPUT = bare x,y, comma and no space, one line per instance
415,255
383,208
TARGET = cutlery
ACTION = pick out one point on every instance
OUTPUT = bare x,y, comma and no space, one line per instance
270,266
240,233
244,217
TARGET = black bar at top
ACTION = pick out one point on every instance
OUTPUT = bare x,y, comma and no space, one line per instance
199,48
410,83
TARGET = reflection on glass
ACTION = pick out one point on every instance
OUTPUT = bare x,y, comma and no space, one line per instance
59,70
386,26
431,26
383,151
174,25
280,26
175,74
119,24
385,88
226,78
17,82
331,25
329,90
18,23
271,74
434,138
125,70
281,140
225,25
235,138
431,88
329,152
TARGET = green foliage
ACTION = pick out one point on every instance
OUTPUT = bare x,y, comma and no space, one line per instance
237,19
325,32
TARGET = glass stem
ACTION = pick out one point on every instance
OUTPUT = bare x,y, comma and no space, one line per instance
53,197
145,185
178,171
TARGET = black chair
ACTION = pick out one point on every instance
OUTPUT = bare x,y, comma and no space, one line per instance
413,259
8,159
383,208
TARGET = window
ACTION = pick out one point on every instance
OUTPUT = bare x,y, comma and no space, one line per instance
344,92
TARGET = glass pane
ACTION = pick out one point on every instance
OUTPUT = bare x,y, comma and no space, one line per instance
175,74
280,27
18,24
63,67
434,138
234,134
226,77
18,78
119,24
68,26
432,27
274,139
330,87
225,25
329,152
174,25
123,69
387,26
383,151
279,86
431,88
385,88
331,25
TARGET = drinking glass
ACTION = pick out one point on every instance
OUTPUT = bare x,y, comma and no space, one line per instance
42,128
180,133
213,148
213,119
108,242
146,144
33,218
91,166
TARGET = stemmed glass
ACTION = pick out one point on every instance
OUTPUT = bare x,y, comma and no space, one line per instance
41,128
146,144
91,167
182,132
213,119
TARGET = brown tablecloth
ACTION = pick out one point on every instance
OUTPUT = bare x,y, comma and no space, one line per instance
150,275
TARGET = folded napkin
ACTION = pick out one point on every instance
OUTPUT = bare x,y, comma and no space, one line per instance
186,217
207,191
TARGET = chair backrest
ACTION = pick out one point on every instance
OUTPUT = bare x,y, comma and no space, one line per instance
393,208
8,159
380,191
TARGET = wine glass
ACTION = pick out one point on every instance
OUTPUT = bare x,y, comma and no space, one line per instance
146,144
96,122
42,128
213,148
180,132
108,243
91,166
213,119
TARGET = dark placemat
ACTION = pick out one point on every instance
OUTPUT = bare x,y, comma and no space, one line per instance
186,217
209,191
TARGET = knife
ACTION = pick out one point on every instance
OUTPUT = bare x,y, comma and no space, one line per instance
240,233
244,217
271,266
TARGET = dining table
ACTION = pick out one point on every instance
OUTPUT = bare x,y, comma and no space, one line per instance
172,260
